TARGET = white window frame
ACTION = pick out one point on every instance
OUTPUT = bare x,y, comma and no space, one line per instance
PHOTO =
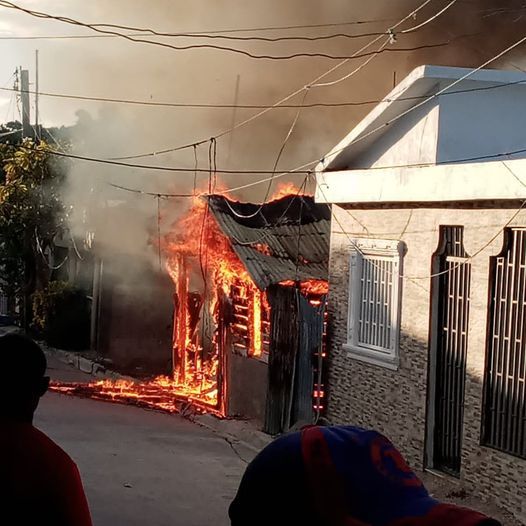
388,357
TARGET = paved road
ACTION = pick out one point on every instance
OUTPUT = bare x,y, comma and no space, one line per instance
139,467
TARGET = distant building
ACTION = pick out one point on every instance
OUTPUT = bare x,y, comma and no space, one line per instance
427,276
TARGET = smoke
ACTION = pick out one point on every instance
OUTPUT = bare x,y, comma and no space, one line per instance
111,67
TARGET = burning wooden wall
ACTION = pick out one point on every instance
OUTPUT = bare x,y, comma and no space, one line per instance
223,257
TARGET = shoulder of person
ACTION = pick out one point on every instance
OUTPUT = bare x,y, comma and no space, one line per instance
52,450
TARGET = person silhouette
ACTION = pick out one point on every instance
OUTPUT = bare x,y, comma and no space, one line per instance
339,476
39,482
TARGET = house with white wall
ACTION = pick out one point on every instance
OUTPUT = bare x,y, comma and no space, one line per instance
427,276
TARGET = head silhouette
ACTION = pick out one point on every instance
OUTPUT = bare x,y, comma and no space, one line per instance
24,382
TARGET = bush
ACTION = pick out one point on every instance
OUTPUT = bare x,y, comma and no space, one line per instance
61,315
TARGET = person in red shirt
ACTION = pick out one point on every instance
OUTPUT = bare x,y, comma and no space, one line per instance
39,483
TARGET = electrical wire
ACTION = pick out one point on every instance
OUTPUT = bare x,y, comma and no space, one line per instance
159,232
494,156
196,35
356,70
259,114
212,32
41,252
253,106
413,108
280,153
312,163
389,32
295,171
97,28
196,165
12,132
210,35
434,96
412,14
429,20
278,223
153,167
513,174
77,252
153,194
415,279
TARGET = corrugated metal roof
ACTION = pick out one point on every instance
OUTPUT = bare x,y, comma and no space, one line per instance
268,243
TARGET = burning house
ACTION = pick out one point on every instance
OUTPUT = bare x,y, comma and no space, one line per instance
249,306
247,297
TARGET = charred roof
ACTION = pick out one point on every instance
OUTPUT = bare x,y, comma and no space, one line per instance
288,239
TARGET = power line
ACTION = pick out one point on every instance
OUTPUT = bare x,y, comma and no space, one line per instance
255,106
139,31
293,172
212,32
430,98
97,28
415,279
448,161
152,194
156,168
388,33
224,33
428,21
280,153
312,163
306,90
199,35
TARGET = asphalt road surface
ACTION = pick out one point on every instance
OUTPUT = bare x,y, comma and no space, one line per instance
140,467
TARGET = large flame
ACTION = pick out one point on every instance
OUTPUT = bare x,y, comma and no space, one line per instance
217,307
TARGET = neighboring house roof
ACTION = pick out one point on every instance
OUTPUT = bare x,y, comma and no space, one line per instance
420,84
267,244
444,134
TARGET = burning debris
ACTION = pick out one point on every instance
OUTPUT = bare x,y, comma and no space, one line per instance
161,394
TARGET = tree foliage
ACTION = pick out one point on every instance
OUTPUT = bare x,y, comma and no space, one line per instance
61,315
32,215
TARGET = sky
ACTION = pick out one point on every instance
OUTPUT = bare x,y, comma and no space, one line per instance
113,67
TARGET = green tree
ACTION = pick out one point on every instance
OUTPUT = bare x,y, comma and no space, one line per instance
31,216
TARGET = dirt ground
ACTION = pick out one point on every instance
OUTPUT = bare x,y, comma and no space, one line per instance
444,490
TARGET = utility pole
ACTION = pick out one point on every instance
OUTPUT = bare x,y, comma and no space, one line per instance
26,133
37,126
24,97
234,118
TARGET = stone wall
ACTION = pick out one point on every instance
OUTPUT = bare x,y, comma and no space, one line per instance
394,402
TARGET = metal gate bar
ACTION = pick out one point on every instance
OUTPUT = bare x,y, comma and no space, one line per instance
504,411
452,287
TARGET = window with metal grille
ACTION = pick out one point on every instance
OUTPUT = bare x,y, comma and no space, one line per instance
374,301
504,411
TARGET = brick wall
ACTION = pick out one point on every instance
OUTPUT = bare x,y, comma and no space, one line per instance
394,402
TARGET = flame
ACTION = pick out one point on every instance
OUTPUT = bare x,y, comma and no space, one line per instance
161,394
262,248
199,255
257,347
311,287
285,189
213,293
